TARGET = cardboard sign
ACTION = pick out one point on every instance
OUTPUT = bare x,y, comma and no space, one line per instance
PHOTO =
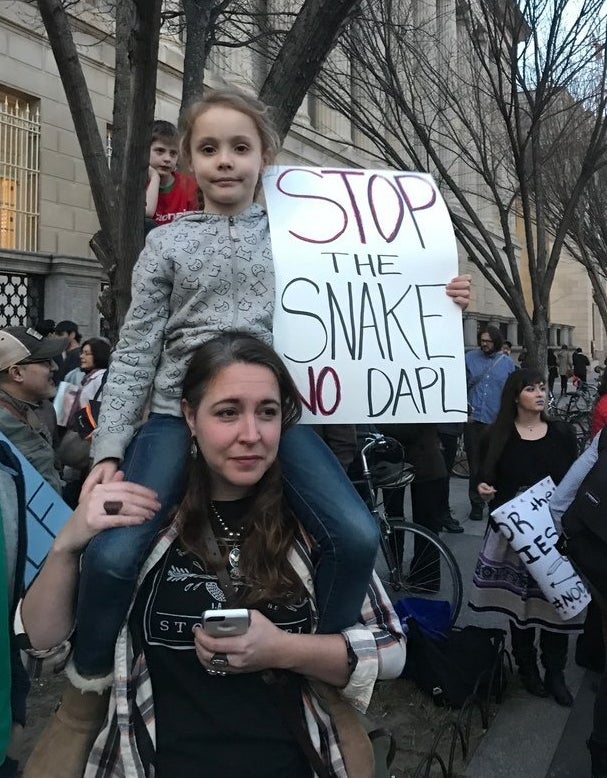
46,513
527,525
362,320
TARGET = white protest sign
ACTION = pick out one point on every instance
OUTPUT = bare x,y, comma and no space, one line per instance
527,525
45,513
361,319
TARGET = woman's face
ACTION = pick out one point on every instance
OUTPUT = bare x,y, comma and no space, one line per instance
87,361
237,425
532,397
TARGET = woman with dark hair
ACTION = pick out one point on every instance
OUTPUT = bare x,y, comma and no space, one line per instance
94,362
73,452
183,698
522,447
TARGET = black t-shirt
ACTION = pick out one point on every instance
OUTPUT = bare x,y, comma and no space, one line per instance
209,726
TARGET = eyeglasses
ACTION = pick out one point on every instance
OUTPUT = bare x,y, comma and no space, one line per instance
486,340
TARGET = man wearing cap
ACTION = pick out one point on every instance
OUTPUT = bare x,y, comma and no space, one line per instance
26,382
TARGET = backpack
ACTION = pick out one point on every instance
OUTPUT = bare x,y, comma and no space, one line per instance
450,668
588,511
584,538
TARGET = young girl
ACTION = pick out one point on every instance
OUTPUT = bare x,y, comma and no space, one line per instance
205,273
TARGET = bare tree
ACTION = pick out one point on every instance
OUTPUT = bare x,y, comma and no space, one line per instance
300,41
472,94
118,192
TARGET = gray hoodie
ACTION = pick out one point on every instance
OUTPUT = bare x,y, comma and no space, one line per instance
198,276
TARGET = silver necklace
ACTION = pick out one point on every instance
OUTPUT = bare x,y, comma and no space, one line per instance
231,538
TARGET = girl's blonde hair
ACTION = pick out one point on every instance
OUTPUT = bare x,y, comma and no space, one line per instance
238,101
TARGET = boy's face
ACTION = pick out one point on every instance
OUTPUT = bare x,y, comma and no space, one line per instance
163,157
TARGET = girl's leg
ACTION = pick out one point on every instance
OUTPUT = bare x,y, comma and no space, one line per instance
156,458
330,509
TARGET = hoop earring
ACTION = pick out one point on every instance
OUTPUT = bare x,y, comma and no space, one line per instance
194,448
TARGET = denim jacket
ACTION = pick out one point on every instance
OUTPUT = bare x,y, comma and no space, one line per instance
486,375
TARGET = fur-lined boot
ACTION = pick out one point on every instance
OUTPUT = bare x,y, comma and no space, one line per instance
63,747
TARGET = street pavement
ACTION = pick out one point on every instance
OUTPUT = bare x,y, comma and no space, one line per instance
530,737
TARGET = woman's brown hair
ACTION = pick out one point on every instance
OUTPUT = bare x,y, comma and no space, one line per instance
271,527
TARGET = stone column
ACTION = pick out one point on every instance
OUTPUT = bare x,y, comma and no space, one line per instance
72,289
470,332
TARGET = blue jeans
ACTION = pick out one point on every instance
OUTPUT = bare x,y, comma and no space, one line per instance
317,489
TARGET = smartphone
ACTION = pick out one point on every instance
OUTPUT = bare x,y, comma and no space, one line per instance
227,622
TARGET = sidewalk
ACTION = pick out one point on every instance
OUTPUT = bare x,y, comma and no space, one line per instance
530,737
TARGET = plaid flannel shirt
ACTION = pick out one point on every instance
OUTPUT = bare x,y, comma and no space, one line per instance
125,747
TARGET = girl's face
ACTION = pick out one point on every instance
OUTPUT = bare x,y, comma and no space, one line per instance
226,158
237,425
532,397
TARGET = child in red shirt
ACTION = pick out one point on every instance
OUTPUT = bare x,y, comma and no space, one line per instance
168,192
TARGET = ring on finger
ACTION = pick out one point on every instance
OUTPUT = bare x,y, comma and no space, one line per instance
219,660
113,507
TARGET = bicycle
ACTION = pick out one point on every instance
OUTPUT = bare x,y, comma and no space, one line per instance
413,559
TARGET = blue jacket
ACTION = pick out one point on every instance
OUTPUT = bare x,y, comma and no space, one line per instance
486,375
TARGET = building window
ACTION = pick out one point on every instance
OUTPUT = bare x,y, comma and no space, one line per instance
21,300
19,172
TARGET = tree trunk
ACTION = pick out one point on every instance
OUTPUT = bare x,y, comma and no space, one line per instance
119,193
301,57
198,15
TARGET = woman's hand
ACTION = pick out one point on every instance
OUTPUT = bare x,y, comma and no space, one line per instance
265,647
459,290
136,504
258,649
102,473
486,492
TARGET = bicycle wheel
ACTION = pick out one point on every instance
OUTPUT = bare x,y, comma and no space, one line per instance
414,561
460,467
581,426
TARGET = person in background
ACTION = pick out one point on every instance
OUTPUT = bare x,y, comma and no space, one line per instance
341,439
507,348
587,552
73,451
26,387
70,358
14,682
553,369
182,698
599,413
521,448
46,327
448,435
487,369
581,363
565,366
168,192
